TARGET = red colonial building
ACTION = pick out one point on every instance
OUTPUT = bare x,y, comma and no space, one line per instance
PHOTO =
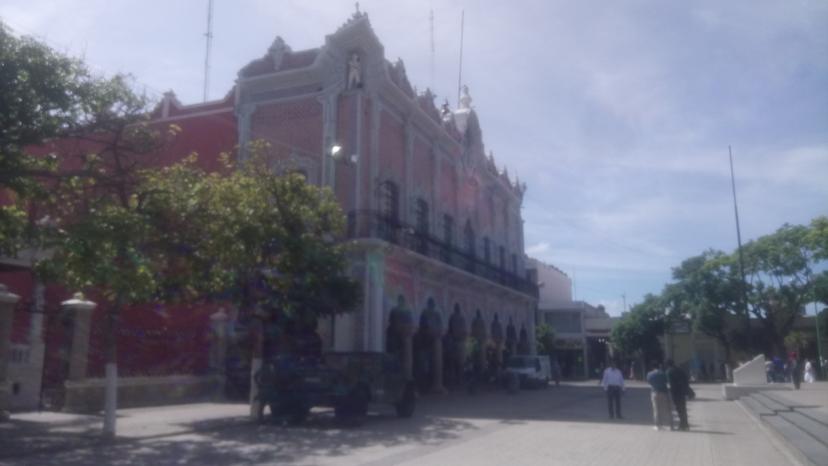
435,226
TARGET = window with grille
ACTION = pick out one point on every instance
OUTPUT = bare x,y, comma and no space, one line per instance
421,216
468,233
391,201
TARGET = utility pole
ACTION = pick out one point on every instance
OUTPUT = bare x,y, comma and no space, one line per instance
741,258
819,341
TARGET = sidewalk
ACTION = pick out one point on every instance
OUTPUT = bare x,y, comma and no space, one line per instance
31,433
555,426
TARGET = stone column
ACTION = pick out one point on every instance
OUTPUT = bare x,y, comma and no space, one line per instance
497,337
408,355
435,328
80,311
218,348
7,302
437,386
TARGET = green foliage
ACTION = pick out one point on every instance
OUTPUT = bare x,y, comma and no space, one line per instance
707,291
818,237
12,228
545,339
797,341
65,135
779,270
263,241
781,279
636,334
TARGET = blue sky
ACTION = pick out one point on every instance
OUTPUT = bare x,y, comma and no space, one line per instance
617,114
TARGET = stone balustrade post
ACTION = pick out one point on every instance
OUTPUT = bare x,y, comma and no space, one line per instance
80,312
7,302
218,348
218,342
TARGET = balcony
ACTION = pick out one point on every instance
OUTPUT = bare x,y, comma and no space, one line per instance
372,224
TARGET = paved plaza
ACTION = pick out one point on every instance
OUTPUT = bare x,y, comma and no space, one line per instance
567,425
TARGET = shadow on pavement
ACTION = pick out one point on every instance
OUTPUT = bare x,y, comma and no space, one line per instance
265,443
439,421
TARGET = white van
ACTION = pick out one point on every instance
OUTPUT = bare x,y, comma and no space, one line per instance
531,370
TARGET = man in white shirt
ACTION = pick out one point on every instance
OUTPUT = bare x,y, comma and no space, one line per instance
613,383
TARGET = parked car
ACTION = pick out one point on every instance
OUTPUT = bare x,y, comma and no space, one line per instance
531,371
348,382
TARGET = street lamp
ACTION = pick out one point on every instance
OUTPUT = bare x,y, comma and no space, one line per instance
335,149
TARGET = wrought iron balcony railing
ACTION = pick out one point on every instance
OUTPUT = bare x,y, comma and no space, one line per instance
372,224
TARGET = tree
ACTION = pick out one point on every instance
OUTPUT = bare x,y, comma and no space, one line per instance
73,147
707,291
636,334
267,243
779,269
47,96
545,339
103,237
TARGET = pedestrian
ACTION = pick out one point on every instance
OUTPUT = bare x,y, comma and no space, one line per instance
679,389
613,383
793,367
660,397
556,371
809,372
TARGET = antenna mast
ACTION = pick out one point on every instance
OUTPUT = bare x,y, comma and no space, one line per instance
460,72
431,28
209,36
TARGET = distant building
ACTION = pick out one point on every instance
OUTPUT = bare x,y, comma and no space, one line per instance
581,330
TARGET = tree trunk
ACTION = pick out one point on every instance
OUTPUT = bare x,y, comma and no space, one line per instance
111,368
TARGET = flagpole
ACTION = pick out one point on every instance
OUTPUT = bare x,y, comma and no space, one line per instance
741,258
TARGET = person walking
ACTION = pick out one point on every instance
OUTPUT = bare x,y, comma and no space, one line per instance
809,372
679,389
613,383
793,365
662,414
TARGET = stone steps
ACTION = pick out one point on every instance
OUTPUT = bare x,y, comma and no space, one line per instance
769,402
804,430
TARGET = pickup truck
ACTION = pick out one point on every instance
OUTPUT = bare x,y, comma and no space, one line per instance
349,382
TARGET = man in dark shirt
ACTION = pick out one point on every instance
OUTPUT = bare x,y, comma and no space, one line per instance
660,397
679,389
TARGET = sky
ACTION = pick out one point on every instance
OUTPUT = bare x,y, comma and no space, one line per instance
617,114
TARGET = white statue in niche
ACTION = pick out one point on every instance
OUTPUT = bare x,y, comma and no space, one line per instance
354,72
465,99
